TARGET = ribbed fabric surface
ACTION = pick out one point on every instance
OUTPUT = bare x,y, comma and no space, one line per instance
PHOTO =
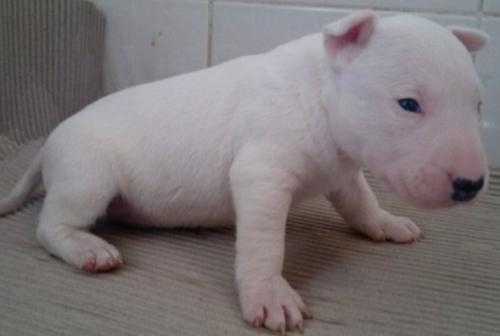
180,282
50,64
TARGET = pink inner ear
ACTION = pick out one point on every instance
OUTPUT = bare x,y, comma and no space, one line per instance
334,43
471,41
352,36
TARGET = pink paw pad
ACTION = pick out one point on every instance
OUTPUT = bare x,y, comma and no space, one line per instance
93,264
111,263
90,264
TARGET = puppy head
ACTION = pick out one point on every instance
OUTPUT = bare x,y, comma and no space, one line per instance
404,100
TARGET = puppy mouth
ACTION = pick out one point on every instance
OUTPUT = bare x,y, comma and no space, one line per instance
407,188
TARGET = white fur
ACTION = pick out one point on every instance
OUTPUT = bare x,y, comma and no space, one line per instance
248,138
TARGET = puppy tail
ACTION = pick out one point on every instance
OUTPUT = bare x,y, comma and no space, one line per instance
23,189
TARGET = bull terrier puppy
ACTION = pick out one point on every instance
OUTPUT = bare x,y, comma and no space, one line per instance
245,140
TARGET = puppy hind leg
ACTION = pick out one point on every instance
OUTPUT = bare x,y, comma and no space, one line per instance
68,212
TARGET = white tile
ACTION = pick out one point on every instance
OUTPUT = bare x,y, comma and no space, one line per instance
152,39
448,6
456,20
244,29
488,62
428,5
492,6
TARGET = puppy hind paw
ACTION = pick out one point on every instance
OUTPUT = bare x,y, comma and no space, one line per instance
103,259
82,249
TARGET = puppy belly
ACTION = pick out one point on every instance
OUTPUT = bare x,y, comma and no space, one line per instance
121,210
171,215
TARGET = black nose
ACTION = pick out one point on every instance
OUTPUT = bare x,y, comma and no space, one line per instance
465,190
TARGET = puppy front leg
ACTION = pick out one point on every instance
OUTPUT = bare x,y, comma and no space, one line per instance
262,199
357,204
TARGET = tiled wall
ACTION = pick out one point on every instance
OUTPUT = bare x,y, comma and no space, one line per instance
152,39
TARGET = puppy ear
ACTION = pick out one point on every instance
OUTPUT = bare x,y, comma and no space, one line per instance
473,39
353,30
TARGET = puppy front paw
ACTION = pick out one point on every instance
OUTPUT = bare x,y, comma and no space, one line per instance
273,304
386,226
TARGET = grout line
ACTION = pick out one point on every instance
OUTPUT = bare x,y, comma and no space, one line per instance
304,3
480,13
479,18
210,32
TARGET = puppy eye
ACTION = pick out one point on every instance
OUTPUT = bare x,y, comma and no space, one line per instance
410,105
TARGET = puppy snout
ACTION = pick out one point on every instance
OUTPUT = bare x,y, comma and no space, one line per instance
465,189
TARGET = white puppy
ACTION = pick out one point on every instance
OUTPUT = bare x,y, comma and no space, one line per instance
247,139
